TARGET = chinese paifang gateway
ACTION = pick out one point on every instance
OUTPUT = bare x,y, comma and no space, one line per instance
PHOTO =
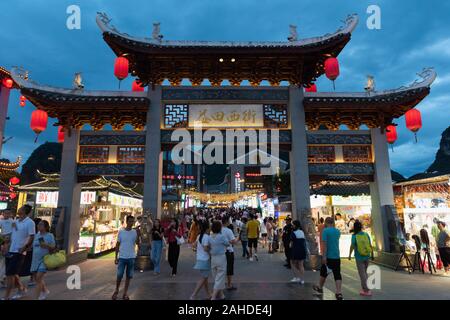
296,116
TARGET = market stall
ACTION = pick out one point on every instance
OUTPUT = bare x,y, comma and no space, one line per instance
104,204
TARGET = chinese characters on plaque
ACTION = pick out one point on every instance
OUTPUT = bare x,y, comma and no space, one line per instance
225,116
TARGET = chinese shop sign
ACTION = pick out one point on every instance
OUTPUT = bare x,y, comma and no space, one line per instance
226,115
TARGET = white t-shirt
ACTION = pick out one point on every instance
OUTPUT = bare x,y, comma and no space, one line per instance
6,226
201,253
21,233
127,239
262,225
229,235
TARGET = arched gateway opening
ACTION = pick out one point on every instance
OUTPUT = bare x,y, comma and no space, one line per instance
265,135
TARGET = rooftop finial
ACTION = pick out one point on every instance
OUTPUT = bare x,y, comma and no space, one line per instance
370,86
77,81
292,33
156,35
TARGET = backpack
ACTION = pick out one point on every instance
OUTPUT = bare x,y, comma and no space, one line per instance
363,244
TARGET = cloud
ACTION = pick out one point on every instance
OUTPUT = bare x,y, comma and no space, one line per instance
439,48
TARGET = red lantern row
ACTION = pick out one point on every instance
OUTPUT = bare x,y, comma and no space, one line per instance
413,121
39,120
23,101
7,83
61,134
14,180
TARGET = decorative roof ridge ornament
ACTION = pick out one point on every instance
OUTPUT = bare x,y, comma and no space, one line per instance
78,82
370,86
103,21
293,35
156,35
20,76
427,75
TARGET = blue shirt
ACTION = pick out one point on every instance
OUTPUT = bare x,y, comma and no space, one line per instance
357,255
38,252
218,243
331,236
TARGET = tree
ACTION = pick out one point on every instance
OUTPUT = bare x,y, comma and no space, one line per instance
45,158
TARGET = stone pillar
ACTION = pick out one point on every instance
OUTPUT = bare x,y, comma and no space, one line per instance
70,190
298,158
153,154
381,190
4,98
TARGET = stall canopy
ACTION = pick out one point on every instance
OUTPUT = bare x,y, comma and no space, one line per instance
50,182
340,186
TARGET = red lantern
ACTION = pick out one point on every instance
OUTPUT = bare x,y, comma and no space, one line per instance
7,83
311,88
39,121
332,69
135,86
413,121
121,68
12,195
391,134
60,134
14,180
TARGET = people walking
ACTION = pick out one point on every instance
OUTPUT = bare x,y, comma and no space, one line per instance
43,243
262,225
252,234
157,234
244,238
22,237
270,232
218,245
443,244
298,252
286,238
331,261
125,256
203,260
174,238
6,228
194,231
229,253
362,246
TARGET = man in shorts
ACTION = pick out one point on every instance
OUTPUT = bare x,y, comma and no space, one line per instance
127,240
253,233
331,258
22,237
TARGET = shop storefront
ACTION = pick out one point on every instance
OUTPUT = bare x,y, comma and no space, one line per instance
345,210
422,202
104,204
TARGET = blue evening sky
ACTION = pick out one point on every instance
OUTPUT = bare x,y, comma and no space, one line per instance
414,34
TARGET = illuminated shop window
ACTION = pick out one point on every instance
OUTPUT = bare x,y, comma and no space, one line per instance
94,154
130,154
318,154
357,153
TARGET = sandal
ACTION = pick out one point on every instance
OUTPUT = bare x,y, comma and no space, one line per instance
115,294
125,297
339,296
317,289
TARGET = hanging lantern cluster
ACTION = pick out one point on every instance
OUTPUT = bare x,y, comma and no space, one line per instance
311,88
14,180
413,120
121,68
7,83
391,135
331,67
136,86
23,101
39,120
12,195
60,134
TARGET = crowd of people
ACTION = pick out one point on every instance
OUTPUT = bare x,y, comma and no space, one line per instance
24,244
212,234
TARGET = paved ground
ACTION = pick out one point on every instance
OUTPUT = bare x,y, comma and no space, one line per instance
266,279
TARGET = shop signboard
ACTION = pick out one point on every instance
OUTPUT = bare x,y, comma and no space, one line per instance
122,201
49,199
226,115
351,201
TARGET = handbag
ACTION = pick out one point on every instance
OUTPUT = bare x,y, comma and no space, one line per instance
180,240
55,260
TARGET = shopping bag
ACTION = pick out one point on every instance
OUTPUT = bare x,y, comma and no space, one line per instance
55,260
439,264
